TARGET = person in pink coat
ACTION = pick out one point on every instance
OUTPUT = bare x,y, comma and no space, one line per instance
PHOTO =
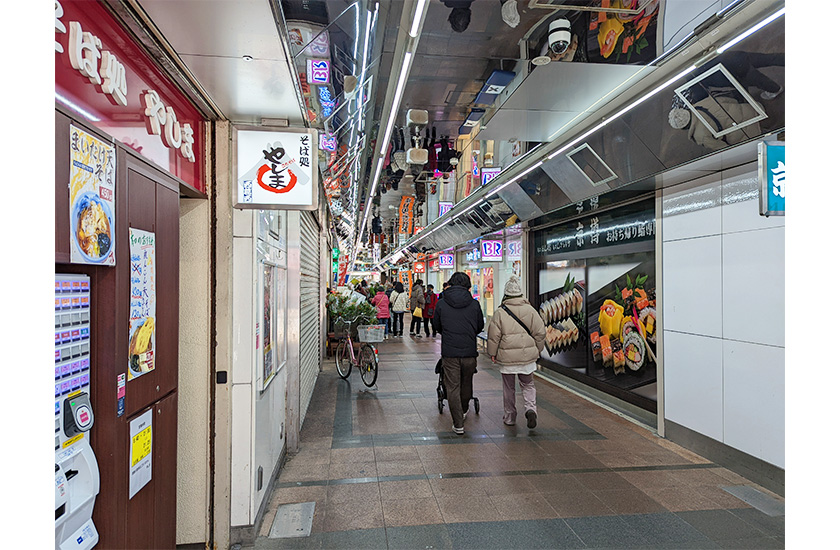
383,308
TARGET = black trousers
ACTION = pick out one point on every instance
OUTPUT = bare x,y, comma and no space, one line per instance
426,323
397,323
458,379
415,325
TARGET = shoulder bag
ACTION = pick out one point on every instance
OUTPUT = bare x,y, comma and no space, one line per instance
517,319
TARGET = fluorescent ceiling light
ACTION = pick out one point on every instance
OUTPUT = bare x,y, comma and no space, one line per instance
63,100
751,30
395,106
418,18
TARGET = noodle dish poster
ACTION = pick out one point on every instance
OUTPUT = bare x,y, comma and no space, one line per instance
92,207
141,319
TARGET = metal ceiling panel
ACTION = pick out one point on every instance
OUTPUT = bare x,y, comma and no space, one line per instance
212,46
233,29
524,125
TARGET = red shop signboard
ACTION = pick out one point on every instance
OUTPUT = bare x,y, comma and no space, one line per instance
107,80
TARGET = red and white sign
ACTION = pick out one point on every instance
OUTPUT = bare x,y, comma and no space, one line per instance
419,267
277,170
434,265
105,79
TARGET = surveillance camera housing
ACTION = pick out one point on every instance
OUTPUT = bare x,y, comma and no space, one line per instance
559,35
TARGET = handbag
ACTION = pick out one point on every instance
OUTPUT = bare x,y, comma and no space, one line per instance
417,312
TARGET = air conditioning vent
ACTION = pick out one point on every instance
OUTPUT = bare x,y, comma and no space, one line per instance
591,165
720,102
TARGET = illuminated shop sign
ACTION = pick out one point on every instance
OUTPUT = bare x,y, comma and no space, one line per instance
276,170
447,261
103,76
473,256
491,251
444,207
318,71
419,267
514,250
488,174
772,174
327,143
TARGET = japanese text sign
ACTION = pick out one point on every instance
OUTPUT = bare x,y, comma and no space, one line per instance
277,170
143,303
772,175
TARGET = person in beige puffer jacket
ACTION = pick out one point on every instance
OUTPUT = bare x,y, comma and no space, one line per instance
511,347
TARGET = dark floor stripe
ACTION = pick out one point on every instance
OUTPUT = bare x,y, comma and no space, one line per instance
503,473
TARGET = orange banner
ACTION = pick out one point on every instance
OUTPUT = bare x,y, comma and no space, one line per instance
406,215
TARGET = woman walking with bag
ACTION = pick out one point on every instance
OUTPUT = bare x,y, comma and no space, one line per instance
515,338
416,306
399,303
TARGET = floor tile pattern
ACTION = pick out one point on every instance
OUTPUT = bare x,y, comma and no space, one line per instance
385,470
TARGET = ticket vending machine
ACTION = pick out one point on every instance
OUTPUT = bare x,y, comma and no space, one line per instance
76,469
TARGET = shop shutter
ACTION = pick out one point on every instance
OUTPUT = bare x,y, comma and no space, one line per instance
310,318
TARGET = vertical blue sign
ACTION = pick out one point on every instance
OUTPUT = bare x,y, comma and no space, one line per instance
772,176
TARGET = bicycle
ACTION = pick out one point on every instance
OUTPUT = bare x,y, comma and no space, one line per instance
367,360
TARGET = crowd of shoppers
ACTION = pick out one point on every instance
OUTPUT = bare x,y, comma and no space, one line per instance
515,338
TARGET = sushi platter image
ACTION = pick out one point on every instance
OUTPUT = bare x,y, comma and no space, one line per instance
562,312
627,328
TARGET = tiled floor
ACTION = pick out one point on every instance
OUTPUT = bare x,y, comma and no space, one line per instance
385,471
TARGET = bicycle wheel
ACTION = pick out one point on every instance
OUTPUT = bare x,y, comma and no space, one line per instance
369,365
342,360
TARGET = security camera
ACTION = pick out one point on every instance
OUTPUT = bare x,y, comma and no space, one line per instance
559,35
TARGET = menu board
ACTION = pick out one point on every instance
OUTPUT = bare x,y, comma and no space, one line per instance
142,307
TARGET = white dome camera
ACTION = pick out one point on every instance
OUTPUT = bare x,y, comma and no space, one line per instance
559,35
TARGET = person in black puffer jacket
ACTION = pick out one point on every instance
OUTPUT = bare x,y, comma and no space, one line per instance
458,318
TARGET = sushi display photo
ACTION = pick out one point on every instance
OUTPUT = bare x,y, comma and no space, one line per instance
623,334
562,313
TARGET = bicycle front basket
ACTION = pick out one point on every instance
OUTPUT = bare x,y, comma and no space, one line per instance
371,333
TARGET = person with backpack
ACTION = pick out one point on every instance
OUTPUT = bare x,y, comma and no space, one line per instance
515,338
429,311
399,305
458,318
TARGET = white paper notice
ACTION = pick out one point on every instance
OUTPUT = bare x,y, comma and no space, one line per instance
140,458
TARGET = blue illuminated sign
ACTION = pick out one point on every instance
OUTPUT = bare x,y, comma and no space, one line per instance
772,175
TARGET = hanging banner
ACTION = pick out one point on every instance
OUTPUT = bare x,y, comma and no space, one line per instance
277,170
419,267
405,278
406,215
141,313
92,209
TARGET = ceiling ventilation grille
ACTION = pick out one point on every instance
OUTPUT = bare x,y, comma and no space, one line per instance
720,102
591,165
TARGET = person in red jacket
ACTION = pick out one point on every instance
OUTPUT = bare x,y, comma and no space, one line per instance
429,310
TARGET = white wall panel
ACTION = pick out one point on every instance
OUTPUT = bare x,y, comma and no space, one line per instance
754,402
740,201
692,209
691,286
243,318
694,382
240,454
754,286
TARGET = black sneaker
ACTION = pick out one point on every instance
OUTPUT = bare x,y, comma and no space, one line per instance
532,419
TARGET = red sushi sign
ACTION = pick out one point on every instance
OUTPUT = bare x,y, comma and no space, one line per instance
105,79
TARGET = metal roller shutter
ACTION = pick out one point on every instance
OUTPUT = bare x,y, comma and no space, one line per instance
310,322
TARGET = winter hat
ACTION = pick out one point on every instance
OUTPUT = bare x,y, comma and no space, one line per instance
513,288
679,118
509,13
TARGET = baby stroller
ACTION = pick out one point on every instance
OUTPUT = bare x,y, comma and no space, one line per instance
441,389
